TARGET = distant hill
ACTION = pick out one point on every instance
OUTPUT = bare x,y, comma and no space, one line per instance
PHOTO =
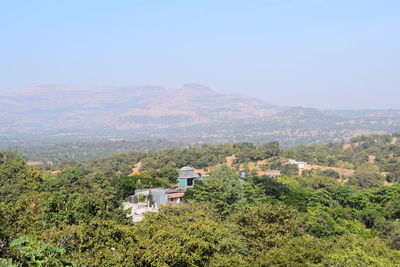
66,109
193,113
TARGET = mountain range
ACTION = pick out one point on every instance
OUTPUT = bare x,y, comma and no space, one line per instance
193,113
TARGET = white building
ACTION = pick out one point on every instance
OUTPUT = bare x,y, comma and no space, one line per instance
300,164
150,199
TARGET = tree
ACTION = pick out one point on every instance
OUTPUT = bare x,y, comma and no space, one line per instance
390,231
354,251
188,235
170,174
266,225
99,242
366,180
289,170
271,186
38,253
297,251
6,263
330,173
223,189
126,187
320,223
269,150
144,179
16,179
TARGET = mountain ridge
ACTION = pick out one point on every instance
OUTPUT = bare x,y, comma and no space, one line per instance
193,113
122,106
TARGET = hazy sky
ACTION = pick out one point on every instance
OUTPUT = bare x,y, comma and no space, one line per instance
318,53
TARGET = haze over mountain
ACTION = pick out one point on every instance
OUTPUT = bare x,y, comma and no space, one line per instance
193,113
122,108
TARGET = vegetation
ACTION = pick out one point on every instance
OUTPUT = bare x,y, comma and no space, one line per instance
375,155
86,150
74,218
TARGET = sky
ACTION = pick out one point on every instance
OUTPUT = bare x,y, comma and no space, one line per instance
342,54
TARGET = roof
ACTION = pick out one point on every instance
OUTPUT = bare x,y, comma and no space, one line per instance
146,191
292,161
175,195
173,190
186,168
142,193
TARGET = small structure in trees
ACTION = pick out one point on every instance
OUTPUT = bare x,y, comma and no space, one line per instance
150,199
300,164
187,177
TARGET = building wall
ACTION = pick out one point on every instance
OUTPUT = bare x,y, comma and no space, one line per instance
182,182
175,200
159,197
187,173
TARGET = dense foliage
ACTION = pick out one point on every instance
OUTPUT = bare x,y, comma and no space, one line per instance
86,150
74,217
364,153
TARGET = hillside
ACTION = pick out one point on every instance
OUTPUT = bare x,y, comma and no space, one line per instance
375,153
192,114
318,216
367,161
73,216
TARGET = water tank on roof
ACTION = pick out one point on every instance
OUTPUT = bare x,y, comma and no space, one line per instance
186,172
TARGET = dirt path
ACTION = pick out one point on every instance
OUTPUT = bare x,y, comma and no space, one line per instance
136,168
230,159
371,159
346,146
344,172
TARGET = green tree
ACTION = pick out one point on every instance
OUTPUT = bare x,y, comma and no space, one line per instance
366,180
188,235
270,186
38,253
330,173
223,189
6,263
289,170
266,225
270,149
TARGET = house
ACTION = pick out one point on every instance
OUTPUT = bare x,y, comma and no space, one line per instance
144,200
151,196
175,198
300,164
150,199
187,177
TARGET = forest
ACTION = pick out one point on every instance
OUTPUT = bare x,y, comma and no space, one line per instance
69,213
56,150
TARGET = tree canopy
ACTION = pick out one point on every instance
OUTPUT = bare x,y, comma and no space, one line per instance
74,217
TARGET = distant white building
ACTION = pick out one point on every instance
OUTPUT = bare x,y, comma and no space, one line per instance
150,199
300,164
